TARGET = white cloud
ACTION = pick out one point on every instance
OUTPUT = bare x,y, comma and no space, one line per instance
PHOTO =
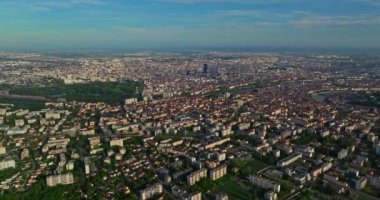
48,5
225,1
342,20
295,18
371,2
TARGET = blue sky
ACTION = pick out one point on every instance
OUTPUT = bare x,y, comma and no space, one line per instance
155,24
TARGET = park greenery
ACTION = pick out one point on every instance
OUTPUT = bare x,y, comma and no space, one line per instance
23,103
108,92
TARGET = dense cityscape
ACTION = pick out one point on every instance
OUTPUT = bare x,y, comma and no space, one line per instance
189,126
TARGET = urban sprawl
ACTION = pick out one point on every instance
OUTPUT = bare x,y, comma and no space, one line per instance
193,126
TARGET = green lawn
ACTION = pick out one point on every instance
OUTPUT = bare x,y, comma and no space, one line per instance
372,191
7,173
235,191
247,167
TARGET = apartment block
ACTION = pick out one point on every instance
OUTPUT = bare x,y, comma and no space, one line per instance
196,176
62,179
218,172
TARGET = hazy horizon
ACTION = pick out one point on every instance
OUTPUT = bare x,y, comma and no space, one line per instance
273,50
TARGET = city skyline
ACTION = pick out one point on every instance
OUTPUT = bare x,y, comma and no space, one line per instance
197,24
